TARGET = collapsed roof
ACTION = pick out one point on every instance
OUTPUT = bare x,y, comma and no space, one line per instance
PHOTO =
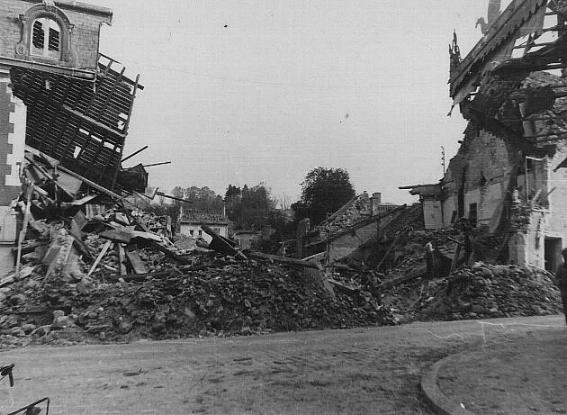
82,125
499,86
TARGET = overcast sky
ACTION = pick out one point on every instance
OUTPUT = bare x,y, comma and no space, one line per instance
239,92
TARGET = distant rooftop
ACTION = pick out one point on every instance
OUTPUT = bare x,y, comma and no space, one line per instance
203,217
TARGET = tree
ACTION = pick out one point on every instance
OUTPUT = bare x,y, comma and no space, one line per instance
323,192
201,199
249,207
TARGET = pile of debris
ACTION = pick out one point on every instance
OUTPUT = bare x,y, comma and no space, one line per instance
484,291
454,289
88,269
214,295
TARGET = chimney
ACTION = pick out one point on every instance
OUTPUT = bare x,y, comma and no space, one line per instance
375,201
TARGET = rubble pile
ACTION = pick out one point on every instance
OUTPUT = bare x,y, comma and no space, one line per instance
215,295
90,269
484,291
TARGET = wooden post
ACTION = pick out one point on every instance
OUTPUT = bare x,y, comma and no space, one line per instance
22,235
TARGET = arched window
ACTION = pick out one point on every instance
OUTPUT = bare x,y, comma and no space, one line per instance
46,38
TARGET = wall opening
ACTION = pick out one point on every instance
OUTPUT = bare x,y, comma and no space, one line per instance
553,248
473,214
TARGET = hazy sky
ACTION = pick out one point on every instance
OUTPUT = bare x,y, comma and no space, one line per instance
239,92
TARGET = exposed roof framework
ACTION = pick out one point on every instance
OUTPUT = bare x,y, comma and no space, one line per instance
81,124
497,84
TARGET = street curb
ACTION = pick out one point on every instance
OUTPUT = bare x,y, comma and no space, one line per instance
433,395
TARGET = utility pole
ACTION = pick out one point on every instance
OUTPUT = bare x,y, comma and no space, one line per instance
443,160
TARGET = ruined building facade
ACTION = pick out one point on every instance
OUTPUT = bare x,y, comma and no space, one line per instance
509,176
59,96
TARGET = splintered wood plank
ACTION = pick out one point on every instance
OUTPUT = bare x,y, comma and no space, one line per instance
100,256
136,262
121,258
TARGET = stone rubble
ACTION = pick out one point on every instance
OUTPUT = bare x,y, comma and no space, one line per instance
215,295
488,291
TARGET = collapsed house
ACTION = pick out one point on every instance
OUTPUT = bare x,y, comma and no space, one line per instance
508,176
61,99
359,221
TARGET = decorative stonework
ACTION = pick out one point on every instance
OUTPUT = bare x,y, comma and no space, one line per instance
49,11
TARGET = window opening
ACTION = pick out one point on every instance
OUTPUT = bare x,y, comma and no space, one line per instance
38,35
53,40
46,38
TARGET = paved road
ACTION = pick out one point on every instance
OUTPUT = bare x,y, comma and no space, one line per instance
356,371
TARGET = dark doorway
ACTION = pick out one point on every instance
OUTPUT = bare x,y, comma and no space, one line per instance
461,196
473,214
552,254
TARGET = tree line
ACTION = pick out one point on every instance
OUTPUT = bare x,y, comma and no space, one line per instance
323,191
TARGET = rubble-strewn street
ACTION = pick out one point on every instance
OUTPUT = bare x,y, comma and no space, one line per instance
357,371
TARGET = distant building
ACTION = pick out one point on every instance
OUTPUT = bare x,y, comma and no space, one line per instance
346,230
191,222
246,239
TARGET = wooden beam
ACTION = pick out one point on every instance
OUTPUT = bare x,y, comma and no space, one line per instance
22,235
94,122
136,262
282,260
121,258
90,183
100,256
170,253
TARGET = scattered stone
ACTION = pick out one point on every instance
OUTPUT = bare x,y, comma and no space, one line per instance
493,290
28,328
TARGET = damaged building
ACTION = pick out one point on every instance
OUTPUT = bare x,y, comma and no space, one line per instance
358,222
509,174
61,99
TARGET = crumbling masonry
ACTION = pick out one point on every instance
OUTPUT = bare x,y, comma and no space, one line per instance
509,174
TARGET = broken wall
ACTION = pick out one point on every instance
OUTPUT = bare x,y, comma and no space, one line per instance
478,179
432,214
